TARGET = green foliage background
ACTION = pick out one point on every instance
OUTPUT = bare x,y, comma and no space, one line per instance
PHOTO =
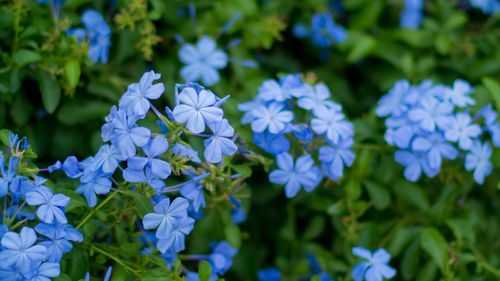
445,228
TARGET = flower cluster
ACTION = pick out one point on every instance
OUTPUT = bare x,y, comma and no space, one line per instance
97,33
427,122
411,15
35,252
324,32
292,120
153,155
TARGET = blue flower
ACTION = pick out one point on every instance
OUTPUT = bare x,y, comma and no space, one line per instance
238,214
221,258
302,132
154,148
318,98
331,123
166,215
144,176
273,118
176,237
335,157
478,159
57,243
203,61
395,102
271,143
136,99
70,166
415,162
411,15
325,31
51,205
97,32
197,109
431,114
302,174
107,159
186,151
459,95
376,268
289,85
462,130
19,249
219,143
43,271
7,176
436,148
126,134
194,192
269,274
89,189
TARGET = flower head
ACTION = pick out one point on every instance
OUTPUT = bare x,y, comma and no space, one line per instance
19,249
203,61
478,159
136,99
375,268
51,205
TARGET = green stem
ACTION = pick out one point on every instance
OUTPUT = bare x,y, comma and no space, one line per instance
482,261
116,259
92,212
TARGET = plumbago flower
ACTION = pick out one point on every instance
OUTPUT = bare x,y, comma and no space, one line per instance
324,32
375,268
429,123
203,60
290,112
411,15
97,33
150,158
31,248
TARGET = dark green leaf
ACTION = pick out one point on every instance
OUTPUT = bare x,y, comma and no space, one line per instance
72,70
51,92
205,271
23,57
435,245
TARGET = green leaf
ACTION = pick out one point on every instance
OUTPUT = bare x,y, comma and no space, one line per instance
315,228
72,70
411,194
143,204
380,196
243,170
51,92
4,137
233,235
23,57
62,277
435,245
409,262
205,271
72,114
157,274
494,89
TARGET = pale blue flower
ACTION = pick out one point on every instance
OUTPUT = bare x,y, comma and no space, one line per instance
194,192
186,151
56,243
478,159
219,143
197,109
332,124
136,99
203,61
166,215
176,237
325,31
462,131
436,148
376,268
126,134
459,95
302,173
273,118
154,148
395,102
335,157
271,143
99,185
51,205
415,163
19,249
107,158
431,114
